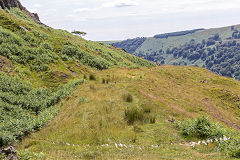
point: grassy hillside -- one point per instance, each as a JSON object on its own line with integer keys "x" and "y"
{"x": 196, "y": 47}
{"x": 40, "y": 66}
{"x": 135, "y": 109}
{"x": 62, "y": 97}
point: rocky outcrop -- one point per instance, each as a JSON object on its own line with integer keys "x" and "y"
{"x": 10, "y": 3}
{"x": 7, "y": 4}
{"x": 9, "y": 153}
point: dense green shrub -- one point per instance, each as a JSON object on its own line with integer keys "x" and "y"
{"x": 201, "y": 127}
{"x": 26, "y": 50}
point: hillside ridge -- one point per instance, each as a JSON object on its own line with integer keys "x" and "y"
{"x": 215, "y": 49}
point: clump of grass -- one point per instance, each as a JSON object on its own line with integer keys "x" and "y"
{"x": 82, "y": 99}
{"x": 128, "y": 98}
{"x": 135, "y": 114}
{"x": 103, "y": 81}
{"x": 92, "y": 77}
{"x": 152, "y": 119}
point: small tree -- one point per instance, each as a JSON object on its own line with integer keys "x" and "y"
{"x": 79, "y": 33}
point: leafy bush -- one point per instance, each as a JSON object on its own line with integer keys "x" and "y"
{"x": 201, "y": 127}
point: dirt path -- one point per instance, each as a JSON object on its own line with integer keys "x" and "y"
{"x": 213, "y": 110}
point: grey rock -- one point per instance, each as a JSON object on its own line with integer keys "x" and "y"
{"x": 10, "y": 3}
{"x": 7, "y": 4}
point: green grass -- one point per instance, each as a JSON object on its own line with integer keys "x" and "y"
{"x": 166, "y": 92}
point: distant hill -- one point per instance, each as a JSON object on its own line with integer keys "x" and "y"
{"x": 216, "y": 49}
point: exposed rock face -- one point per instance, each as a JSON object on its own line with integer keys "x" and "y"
{"x": 7, "y": 4}
{"x": 10, "y": 153}
{"x": 10, "y": 3}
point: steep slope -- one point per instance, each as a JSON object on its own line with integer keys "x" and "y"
{"x": 215, "y": 49}
{"x": 98, "y": 114}
{"x": 40, "y": 66}
{"x": 123, "y": 108}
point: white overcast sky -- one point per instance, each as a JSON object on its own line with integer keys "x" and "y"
{"x": 122, "y": 19}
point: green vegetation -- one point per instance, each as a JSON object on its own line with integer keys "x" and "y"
{"x": 222, "y": 58}
{"x": 29, "y": 44}
{"x": 124, "y": 111}
{"x": 201, "y": 127}
{"x": 24, "y": 109}
{"x": 134, "y": 114}
{"x": 46, "y": 64}
{"x": 130, "y": 45}
{"x": 162, "y": 94}
{"x": 174, "y": 34}
{"x": 215, "y": 49}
